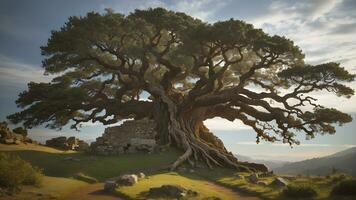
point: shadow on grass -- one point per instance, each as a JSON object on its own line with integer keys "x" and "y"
{"x": 99, "y": 167}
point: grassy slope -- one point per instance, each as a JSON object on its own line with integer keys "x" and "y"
{"x": 56, "y": 163}
{"x": 58, "y": 171}
{"x": 204, "y": 188}
{"x": 322, "y": 185}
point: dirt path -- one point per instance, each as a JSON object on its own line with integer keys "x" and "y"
{"x": 95, "y": 192}
{"x": 231, "y": 193}
{"x": 91, "y": 192}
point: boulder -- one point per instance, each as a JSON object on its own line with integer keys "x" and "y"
{"x": 7, "y": 136}
{"x": 255, "y": 166}
{"x": 141, "y": 175}
{"x": 279, "y": 182}
{"x": 127, "y": 179}
{"x": 261, "y": 183}
{"x": 110, "y": 186}
{"x": 58, "y": 142}
{"x": 8, "y": 141}
{"x": 171, "y": 191}
{"x": 253, "y": 178}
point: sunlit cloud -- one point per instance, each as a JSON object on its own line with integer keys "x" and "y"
{"x": 17, "y": 73}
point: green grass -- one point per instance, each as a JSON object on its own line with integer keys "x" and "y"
{"x": 204, "y": 188}
{"x": 67, "y": 164}
{"x": 225, "y": 177}
{"x": 56, "y": 186}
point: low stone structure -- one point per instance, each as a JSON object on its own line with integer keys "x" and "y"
{"x": 72, "y": 143}
{"x": 130, "y": 137}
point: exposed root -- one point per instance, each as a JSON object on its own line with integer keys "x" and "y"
{"x": 182, "y": 159}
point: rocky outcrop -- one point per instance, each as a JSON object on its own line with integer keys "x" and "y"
{"x": 127, "y": 180}
{"x": 130, "y": 137}
{"x": 72, "y": 143}
{"x": 171, "y": 191}
{"x": 110, "y": 186}
{"x": 279, "y": 182}
{"x": 7, "y": 136}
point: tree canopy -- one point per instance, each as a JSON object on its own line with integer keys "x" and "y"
{"x": 180, "y": 71}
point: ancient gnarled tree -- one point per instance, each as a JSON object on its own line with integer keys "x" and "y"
{"x": 180, "y": 71}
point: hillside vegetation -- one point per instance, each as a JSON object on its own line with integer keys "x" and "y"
{"x": 343, "y": 161}
{"x": 62, "y": 167}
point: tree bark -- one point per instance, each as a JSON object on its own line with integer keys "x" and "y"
{"x": 186, "y": 130}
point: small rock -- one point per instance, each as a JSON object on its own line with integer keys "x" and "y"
{"x": 237, "y": 176}
{"x": 279, "y": 182}
{"x": 141, "y": 175}
{"x": 127, "y": 179}
{"x": 261, "y": 183}
{"x": 191, "y": 170}
{"x": 110, "y": 186}
{"x": 253, "y": 178}
{"x": 17, "y": 142}
{"x": 9, "y": 141}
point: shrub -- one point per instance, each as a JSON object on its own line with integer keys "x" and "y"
{"x": 15, "y": 172}
{"x": 345, "y": 188}
{"x": 85, "y": 178}
{"x": 299, "y": 191}
{"x": 21, "y": 131}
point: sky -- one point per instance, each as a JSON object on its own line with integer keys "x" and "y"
{"x": 324, "y": 29}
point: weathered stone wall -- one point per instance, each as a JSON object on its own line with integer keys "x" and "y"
{"x": 130, "y": 137}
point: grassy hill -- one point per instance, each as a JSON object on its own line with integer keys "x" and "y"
{"x": 344, "y": 161}
{"x": 60, "y": 168}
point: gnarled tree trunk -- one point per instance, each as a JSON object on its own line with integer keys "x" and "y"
{"x": 186, "y": 130}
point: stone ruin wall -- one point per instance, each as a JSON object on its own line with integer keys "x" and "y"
{"x": 130, "y": 137}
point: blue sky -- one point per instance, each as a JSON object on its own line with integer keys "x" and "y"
{"x": 324, "y": 29}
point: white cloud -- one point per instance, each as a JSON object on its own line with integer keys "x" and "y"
{"x": 14, "y": 72}
{"x": 201, "y": 9}
{"x": 218, "y": 124}
{"x": 301, "y": 145}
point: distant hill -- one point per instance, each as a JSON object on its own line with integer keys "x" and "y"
{"x": 271, "y": 164}
{"x": 344, "y": 161}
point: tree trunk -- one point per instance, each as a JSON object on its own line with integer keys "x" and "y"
{"x": 186, "y": 131}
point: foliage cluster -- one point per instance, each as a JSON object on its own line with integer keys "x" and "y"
{"x": 15, "y": 172}
{"x": 345, "y": 188}
{"x": 20, "y": 130}
{"x": 299, "y": 191}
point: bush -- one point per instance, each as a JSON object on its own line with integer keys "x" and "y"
{"x": 345, "y": 188}
{"x": 299, "y": 191}
{"x": 21, "y": 131}
{"x": 85, "y": 178}
{"x": 15, "y": 172}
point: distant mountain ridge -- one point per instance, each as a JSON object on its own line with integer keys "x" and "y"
{"x": 271, "y": 164}
{"x": 344, "y": 161}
